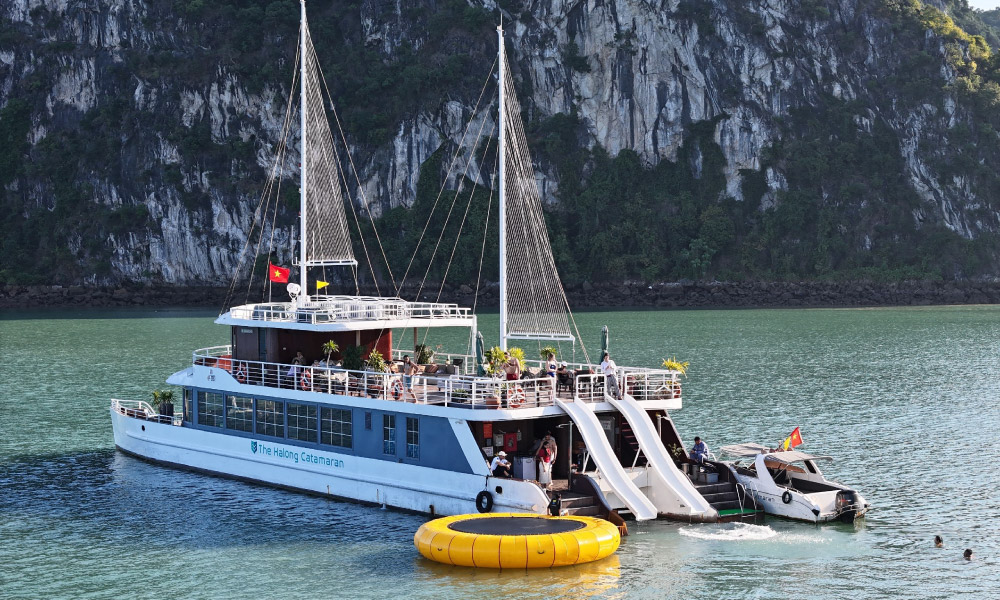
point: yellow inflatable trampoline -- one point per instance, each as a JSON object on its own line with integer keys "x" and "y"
{"x": 516, "y": 541}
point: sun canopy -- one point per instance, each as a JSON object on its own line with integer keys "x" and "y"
{"x": 795, "y": 456}
{"x": 790, "y": 456}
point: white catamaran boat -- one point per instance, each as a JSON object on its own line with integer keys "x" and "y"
{"x": 421, "y": 441}
{"x": 789, "y": 484}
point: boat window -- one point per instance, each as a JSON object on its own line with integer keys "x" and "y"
{"x": 389, "y": 434}
{"x": 210, "y": 410}
{"x": 270, "y": 418}
{"x": 335, "y": 427}
{"x": 188, "y": 396}
{"x": 809, "y": 465}
{"x": 368, "y": 421}
{"x": 302, "y": 422}
{"x": 412, "y": 437}
{"x": 239, "y": 413}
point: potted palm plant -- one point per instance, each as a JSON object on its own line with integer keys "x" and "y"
{"x": 329, "y": 348}
{"x": 422, "y": 354}
{"x": 377, "y": 363}
{"x": 681, "y": 368}
{"x": 163, "y": 402}
{"x": 544, "y": 352}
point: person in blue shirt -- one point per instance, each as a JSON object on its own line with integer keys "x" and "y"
{"x": 699, "y": 451}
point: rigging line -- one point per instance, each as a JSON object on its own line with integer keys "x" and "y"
{"x": 342, "y": 179}
{"x": 357, "y": 178}
{"x": 486, "y": 232}
{"x": 361, "y": 237}
{"x": 275, "y": 176}
{"x": 458, "y": 150}
{"x": 461, "y": 225}
{"x": 279, "y": 163}
{"x": 458, "y": 190}
{"x": 258, "y": 217}
{"x": 274, "y": 214}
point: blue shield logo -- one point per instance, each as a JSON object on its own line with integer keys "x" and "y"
{"x": 253, "y": 447}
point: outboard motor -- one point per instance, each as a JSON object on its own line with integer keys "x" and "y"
{"x": 847, "y": 505}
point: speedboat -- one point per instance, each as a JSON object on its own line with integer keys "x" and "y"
{"x": 788, "y": 483}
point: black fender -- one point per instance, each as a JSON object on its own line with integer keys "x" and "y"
{"x": 786, "y": 497}
{"x": 484, "y": 501}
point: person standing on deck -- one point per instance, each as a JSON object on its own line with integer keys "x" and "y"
{"x": 544, "y": 467}
{"x": 512, "y": 367}
{"x": 550, "y": 371}
{"x": 409, "y": 370}
{"x": 610, "y": 370}
{"x": 550, "y": 442}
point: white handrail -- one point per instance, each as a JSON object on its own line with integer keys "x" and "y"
{"x": 332, "y": 309}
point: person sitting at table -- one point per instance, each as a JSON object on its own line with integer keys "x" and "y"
{"x": 564, "y": 377}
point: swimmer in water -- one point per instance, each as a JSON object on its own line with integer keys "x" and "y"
{"x": 938, "y": 542}
{"x": 967, "y": 555}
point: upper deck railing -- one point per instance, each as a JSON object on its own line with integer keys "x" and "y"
{"x": 342, "y": 309}
{"x": 457, "y": 390}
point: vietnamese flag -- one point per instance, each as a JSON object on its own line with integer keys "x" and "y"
{"x": 794, "y": 439}
{"x": 277, "y": 274}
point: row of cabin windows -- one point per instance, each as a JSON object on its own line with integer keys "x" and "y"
{"x": 304, "y": 422}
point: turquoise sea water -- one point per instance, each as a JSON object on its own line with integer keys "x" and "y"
{"x": 906, "y": 400}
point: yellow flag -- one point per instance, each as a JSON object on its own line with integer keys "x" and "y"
{"x": 321, "y": 284}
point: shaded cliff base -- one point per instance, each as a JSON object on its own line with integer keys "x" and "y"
{"x": 661, "y": 295}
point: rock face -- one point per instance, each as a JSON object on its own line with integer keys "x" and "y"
{"x": 181, "y": 190}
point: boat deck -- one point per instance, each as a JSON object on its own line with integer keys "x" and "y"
{"x": 446, "y": 385}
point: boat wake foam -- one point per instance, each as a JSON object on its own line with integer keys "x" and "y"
{"x": 744, "y": 532}
{"x": 737, "y": 532}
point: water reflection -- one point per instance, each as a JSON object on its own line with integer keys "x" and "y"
{"x": 581, "y": 581}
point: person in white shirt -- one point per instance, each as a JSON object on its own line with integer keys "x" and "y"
{"x": 500, "y": 467}
{"x": 610, "y": 370}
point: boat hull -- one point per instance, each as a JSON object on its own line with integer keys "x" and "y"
{"x": 811, "y": 508}
{"x": 341, "y": 476}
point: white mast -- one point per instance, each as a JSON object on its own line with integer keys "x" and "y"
{"x": 503, "y": 204}
{"x": 302, "y": 150}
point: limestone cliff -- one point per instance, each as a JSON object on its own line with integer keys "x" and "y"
{"x": 137, "y": 133}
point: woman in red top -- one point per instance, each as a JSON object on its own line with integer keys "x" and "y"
{"x": 544, "y": 467}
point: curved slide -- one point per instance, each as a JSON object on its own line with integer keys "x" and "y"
{"x": 607, "y": 463}
{"x": 671, "y": 490}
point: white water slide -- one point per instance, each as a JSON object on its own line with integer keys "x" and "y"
{"x": 669, "y": 489}
{"x": 607, "y": 463}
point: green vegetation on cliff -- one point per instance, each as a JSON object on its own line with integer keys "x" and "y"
{"x": 831, "y": 199}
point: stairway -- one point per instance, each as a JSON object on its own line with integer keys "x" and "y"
{"x": 579, "y": 505}
{"x": 630, "y": 446}
{"x": 723, "y": 498}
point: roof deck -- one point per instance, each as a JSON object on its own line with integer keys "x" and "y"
{"x": 448, "y": 385}
{"x": 349, "y": 313}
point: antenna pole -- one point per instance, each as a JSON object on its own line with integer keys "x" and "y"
{"x": 502, "y": 60}
{"x": 302, "y": 150}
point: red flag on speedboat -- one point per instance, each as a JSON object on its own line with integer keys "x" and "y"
{"x": 793, "y": 440}
{"x": 277, "y": 274}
